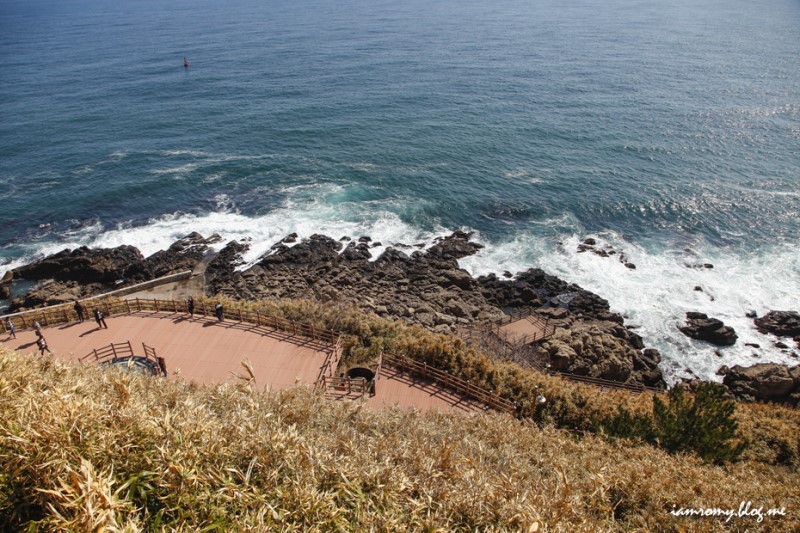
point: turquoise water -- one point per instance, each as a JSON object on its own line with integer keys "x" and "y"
{"x": 669, "y": 130}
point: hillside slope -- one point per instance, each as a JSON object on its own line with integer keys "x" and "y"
{"x": 83, "y": 448}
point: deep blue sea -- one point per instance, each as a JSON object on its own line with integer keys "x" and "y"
{"x": 668, "y": 129}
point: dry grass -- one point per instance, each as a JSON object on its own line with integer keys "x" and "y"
{"x": 89, "y": 449}
{"x": 773, "y": 431}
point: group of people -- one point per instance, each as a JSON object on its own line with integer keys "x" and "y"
{"x": 218, "y": 309}
{"x": 99, "y": 317}
{"x": 37, "y": 328}
{"x": 41, "y": 343}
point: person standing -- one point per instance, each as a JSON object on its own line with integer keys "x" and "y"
{"x": 79, "y": 310}
{"x": 219, "y": 312}
{"x": 190, "y": 306}
{"x": 11, "y": 329}
{"x": 100, "y": 319}
{"x": 42, "y": 344}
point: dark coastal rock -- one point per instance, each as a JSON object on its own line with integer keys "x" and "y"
{"x": 780, "y": 323}
{"x": 601, "y": 350}
{"x": 221, "y": 271}
{"x": 764, "y": 381}
{"x": 103, "y": 265}
{"x": 356, "y": 252}
{"x": 699, "y": 326}
{"x": 315, "y": 249}
{"x": 455, "y": 246}
{"x": 427, "y": 288}
{"x": 184, "y": 254}
{"x": 83, "y": 272}
{"x": 54, "y": 293}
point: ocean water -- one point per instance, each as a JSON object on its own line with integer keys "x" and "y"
{"x": 667, "y": 130}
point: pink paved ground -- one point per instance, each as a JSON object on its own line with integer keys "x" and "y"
{"x": 203, "y": 350}
{"x": 524, "y": 327}
{"x": 396, "y": 388}
{"x": 199, "y": 349}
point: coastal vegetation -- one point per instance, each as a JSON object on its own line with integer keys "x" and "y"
{"x": 771, "y": 431}
{"x": 86, "y": 449}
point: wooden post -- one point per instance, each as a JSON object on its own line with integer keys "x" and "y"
{"x": 240, "y": 314}
{"x": 128, "y": 306}
{"x": 155, "y": 302}
{"x": 204, "y": 309}
{"x": 162, "y": 364}
{"x": 258, "y": 318}
{"x": 175, "y": 306}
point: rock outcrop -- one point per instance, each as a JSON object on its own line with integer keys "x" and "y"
{"x": 406, "y": 283}
{"x": 699, "y": 326}
{"x": 74, "y": 274}
{"x": 765, "y": 381}
{"x": 780, "y": 323}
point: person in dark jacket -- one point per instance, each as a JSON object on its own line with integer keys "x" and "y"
{"x": 100, "y": 319}
{"x": 78, "y": 310}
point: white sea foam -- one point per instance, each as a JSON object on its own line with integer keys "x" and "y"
{"x": 183, "y": 169}
{"x": 657, "y": 294}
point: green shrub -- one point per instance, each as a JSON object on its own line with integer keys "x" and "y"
{"x": 705, "y": 426}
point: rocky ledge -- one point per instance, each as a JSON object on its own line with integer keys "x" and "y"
{"x": 765, "y": 382}
{"x": 781, "y": 324}
{"x": 406, "y": 283}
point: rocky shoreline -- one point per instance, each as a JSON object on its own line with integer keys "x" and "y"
{"x": 425, "y": 287}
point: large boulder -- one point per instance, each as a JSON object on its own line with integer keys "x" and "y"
{"x": 699, "y": 326}
{"x": 455, "y": 246}
{"x": 764, "y": 381}
{"x": 780, "y": 323}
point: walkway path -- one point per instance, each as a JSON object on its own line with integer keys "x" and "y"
{"x": 203, "y": 350}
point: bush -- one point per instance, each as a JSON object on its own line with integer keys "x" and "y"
{"x": 705, "y": 426}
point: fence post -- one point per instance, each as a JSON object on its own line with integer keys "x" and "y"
{"x": 240, "y": 314}
{"x": 258, "y": 318}
{"x": 204, "y": 308}
{"x": 175, "y": 306}
{"x": 138, "y": 305}
{"x": 155, "y": 302}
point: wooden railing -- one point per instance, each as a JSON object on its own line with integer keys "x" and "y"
{"x": 64, "y": 313}
{"x": 330, "y": 365}
{"x": 545, "y": 328}
{"x": 123, "y": 349}
{"x": 348, "y": 386}
{"x": 112, "y": 351}
{"x": 473, "y": 335}
{"x": 447, "y": 380}
{"x": 514, "y": 316}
